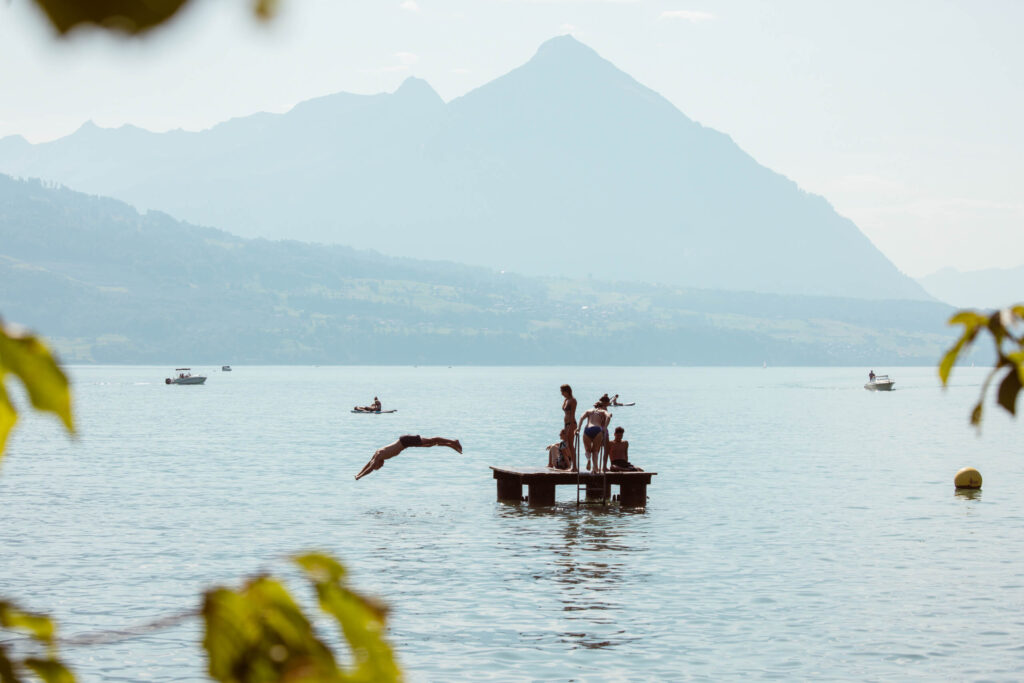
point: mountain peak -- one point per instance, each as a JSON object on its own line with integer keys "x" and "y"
{"x": 417, "y": 88}
{"x": 563, "y": 48}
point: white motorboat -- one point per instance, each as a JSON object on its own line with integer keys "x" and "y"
{"x": 184, "y": 376}
{"x": 880, "y": 383}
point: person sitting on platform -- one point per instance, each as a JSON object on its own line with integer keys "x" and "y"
{"x": 620, "y": 453}
{"x": 407, "y": 441}
{"x": 560, "y": 454}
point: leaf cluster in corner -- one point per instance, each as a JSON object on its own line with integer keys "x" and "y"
{"x": 1004, "y": 326}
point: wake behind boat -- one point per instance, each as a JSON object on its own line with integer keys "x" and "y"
{"x": 880, "y": 383}
{"x": 185, "y": 376}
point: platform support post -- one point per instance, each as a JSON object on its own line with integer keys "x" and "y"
{"x": 541, "y": 493}
{"x": 510, "y": 489}
{"x": 633, "y": 495}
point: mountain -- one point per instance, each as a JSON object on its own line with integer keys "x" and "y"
{"x": 566, "y": 166}
{"x": 988, "y": 288}
{"x": 107, "y": 284}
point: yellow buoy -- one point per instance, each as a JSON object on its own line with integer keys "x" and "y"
{"x": 967, "y": 478}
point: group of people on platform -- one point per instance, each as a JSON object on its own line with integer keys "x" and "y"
{"x": 597, "y": 446}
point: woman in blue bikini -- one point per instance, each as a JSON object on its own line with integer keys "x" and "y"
{"x": 597, "y": 419}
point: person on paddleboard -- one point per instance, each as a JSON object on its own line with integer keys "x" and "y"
{"x": 374, "y": 407}
{"x": 407, "y": 441}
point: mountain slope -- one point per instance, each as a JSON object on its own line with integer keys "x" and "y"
{"x": 565, "y": 166}
{"x": 107, "y": 284}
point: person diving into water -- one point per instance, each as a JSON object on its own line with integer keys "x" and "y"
{"x": 407, "y": 441}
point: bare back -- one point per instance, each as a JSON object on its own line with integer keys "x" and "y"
{"x": 597, "y": 417}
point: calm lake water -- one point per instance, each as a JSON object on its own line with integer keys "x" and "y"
{"x": 800, "y": 527}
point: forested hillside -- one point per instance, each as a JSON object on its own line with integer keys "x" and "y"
{"x": 108, "y": 284}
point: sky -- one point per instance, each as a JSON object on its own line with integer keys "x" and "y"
{"x": 908, "y": 117}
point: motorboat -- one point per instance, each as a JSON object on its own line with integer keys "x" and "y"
{"x": 880, "y": 383}
{"x": 225, "y": 368}
{"x": 184, "y": 376}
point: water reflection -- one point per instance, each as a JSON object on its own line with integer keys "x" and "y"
{"x": 592, "y": 560}
{"x": 969, "y": 494}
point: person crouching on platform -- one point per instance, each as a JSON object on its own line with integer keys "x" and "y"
{"x": 560, "y": 454}
{"x": 620, "y": 453}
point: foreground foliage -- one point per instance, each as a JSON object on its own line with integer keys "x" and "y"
{"x": 1006, "y": 329}
{"x": 40, "y": 630}
{"x": 125, "y": 16}
{"x": 27, "y": 358}
{"x": 257, "y": 634}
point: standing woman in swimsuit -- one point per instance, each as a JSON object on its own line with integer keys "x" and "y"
{"x": 569, "y": 424}
{"x": 598, "y": 420}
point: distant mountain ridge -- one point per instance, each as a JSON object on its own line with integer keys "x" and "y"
{"x": 106, "y": 284}
{"x": 565, "y": 166}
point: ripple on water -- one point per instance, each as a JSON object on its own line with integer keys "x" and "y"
{"x": 780, "y": 541}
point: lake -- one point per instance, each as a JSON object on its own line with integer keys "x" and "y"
{"x": 799, "y": 526}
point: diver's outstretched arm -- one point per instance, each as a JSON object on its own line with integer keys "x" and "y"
{"x": 375, "y": 464}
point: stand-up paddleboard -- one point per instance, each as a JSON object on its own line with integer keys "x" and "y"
{"x": 374, "y": 412}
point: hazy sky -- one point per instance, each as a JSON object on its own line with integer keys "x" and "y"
{"x": 908, "y": 116}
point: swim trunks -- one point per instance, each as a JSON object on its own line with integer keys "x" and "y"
{"x": 593, "y": 431}
{"x": 410, "y": 440}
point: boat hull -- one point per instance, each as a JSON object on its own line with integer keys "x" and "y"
{"x": 879, "y": 386}
{"x": 188, "y": 380}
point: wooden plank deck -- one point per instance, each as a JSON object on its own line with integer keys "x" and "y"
{"x": 541, "y": 483}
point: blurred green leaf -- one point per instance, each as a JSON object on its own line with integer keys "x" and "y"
{"x": 50, "y": 670}
{"x": 259, "y": 634}
{"x": 1001, "y": 325}
{"x": 949, "y": 360}
{"x": 969, "y": 319}
{"x": 127, "y": 16}
{"x": 266, "y": 9}
{"x": 7, "y": 672}
{"x": 38, "y": 626}
{"x": 26, "y": 357}
{"x": 8, "y": 416}
{"x": 976, "y": 414}
{"x": 320, "y": 567}
{"x": 362, "y": 620}
{"x": 1008, "y": 390}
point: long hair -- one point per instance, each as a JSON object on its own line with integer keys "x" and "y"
{"x": 566, "y": 389}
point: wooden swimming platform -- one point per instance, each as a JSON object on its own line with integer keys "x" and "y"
{"x": 541, "y": 483}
